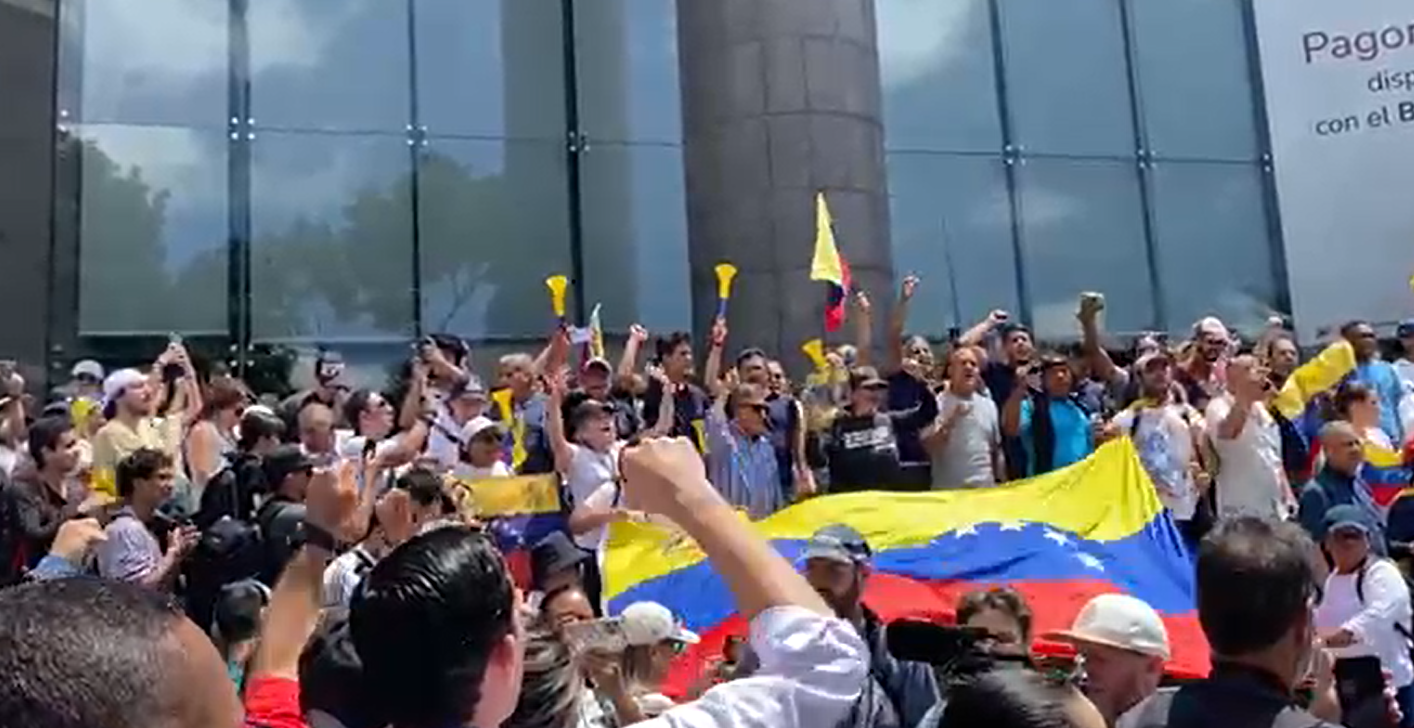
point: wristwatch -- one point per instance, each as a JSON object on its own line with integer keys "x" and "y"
{"x": 320, "y": 538}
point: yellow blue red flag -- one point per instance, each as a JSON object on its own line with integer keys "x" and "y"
{"x": 1060, "y": 538}
{"x": 517, "y": 511}
{"x": 827, "y": 264}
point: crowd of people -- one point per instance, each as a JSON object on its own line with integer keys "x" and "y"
{"x": 176, "y": 549}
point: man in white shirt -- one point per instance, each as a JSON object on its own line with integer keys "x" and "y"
{"x": 1251, "y": 480}
{"x": 1364, "y": 609}
{"x": 1166, "y": 433}
{"x": 965, "y": 441}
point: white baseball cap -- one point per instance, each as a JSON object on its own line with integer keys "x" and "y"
{"x": 1120, "y": 621}
{"x": 648, "y": 623}
{"x": 118, "y": 382}
{"x": 475, "y": 426}
{"x": 88, "y": 368}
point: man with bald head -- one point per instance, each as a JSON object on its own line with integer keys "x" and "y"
{"x": 1339, "y": 484}
{"x": 1251, "y": 480}
{"x": 316, "y": 433}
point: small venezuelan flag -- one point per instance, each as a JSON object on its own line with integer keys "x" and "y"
{"x": 829, "y": 265}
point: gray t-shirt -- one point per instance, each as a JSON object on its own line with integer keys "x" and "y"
{"x": 966, "y": 460}
{"x": 130, "y": 552}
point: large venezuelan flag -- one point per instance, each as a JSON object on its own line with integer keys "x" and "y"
{"x": 517, "y": 511}
{"x": 1061, "y": 538}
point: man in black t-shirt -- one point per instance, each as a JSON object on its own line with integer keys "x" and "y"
{"x": 690, "y": 402}
{"x": 861, "y": 445}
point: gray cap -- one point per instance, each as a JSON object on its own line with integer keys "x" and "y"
{"x": 838, "y": 542}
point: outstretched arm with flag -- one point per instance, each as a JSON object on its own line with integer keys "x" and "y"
{"x": 829, "y": 266}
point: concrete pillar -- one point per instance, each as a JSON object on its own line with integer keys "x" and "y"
{"x": 27, "y": 148}
{"x": 781, "y": 98}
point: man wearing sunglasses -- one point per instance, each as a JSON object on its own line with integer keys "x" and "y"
{"x": 281, "y": 518}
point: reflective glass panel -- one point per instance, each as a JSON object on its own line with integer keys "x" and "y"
{"x": 627, "y": 67}
{"x": 153, "y": 228}
{"x": 331, "y": 237}
{"x": 494, "y": 223}
{"x": 491, "y": 68}
{"x": 939, "y": 75}
{"x": 1082, "y": 229}
{"x": 1195, "y": 86}
{"x": 951, "y": 219}
{"x": 144, "y": 61}
{"x": 1214, "y": 251}
{"x": 329, "y": 64}
{"x": 635, "y": 237}
{"x": 1065, "y": 77}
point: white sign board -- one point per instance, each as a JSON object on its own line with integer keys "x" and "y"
{"x": 1339, "y": 78}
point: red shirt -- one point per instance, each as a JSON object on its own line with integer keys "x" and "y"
{"x": 273, "y": 702}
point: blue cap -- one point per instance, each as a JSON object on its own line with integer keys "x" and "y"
{"x": 1406, "y": 329}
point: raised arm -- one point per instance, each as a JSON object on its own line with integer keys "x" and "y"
{"x": 628, "y": 362}
{"x": 1102, "y": 367}
{"x": 977, "y": 335}
{"x": 898, "y": 320}
{"x": 667, "y": 478}
{"x": 1012, "y": 410}
{"x": 712, "y": 370}
{"x": 410, "y": 411}
{"x": 667, "y": 404}
{"x": 864, "y": 328}
{"x": 334, "y": 507}
{"x": 555, "y": 421}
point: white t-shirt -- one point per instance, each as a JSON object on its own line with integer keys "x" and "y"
{"x": 1251, "y": 480}
{"x": 966, "y": 458}
{"x": 444, "y": 436}
{"x": 1386, "y": 603}
{"x": 1164, "y": 438}
{"x": 470, "y": 473}
{"x": 592, "y": 480}
{"x": 9, "y": 458}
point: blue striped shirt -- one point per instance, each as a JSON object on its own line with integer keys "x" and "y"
{"x": 743, "y": 468}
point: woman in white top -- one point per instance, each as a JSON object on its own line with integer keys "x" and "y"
{"x": 213, "y": 436}
{"x": 587, "y": 457}
{"x": 1359, "y": 405}
{"x": 1364, "y": 610}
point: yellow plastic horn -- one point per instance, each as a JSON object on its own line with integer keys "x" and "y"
{"x": 815, "y": 349}
{"x": 558, "y": 285}
{"x": 502, "y": 398}
{"x": 726, "y": 272}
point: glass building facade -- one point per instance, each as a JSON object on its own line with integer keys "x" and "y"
{"x": 357, "y": 173}
{"x": 1037, "y": 149}
{"x": 265, "y": 174}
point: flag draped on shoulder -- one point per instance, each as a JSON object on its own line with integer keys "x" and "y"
{"x": 1303, "y": 400}
{"x": 1060, "y": 538}
{"x": 829, "y": 265}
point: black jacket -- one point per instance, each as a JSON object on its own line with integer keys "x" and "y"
{"x": 30, "y": 516}
{"x": 1233, "y": 696}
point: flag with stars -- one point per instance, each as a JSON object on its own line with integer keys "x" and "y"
{"x": 1060, "y": 539}
{"x": 517, "y": 511}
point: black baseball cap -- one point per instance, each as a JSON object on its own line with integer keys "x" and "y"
{"x": 283, "y": 461}
{"x": 553, "y": 554}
